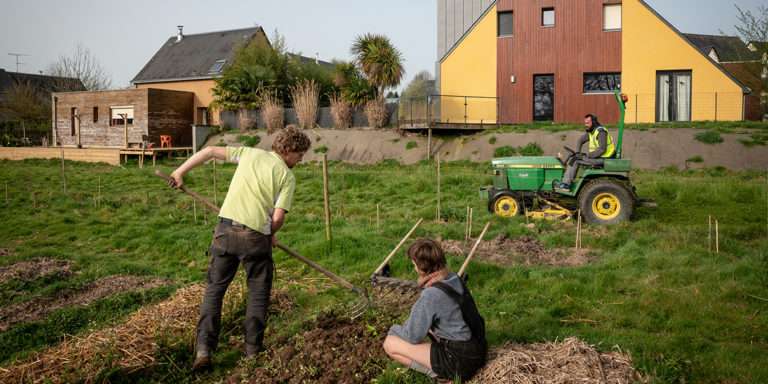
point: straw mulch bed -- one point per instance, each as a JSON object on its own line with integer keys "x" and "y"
{"x": 128, "y": 346}
{"x": 566, "y": 362}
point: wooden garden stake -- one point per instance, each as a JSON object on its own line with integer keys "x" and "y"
{"x": 466, "y": 226}
{"x": 378, "y": 219}
{"x": 709, "y": 234}
{"x": 578, "y": 229}
{"x": 429, "y": 143}
{"x": 194, "y": 210}
{"x": 437, "y": 158}
{"x": 471, "y": 216}
{"x": 326, "y": 202}
{"x": 63, "y": 176}
{"x": 717, "y": 237}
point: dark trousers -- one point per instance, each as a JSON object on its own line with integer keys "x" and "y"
{"x": 231, "y": 245}
{"x": 573, "y": 167}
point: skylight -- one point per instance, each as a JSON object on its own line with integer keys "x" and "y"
{"x": 217, "y": 67}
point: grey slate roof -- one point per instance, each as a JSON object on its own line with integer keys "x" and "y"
{"x": 194, "y": 56}
{"x": 728, "y": 48}
{"x": 43, "y": 83}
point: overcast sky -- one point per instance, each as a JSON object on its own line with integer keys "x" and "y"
{"x": 124, "y": 35}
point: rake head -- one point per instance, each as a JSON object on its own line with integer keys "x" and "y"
{"x": 359, "y": 307}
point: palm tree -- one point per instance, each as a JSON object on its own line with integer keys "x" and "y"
{"x": 379, "y": 60}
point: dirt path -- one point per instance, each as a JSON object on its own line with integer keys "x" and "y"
{"x": 39, "y": 308}
{"x": 35, "y": 269}
{"x": 524, "y": 250}
{"x": 651, "y": 149}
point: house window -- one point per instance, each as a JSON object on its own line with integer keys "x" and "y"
{"x": 547, "y": 17}
{"x": 602, "y": 82}
{"x": 217, "y": 67}
{"x": 612, "y": 17}
{"x": 95, "y": 114}
{"x": 119, "y": 114}
{"x": 505, "y": 23}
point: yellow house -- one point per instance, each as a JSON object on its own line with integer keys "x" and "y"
{"x": 516, "y": 61}
{"x": 192, "y": 62}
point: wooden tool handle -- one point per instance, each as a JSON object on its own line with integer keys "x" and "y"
{"x": 394, "y": 251}
{"x": 290, "y": 252}
{"x": 474, "y": 248}
{"x": 208, "y": 204}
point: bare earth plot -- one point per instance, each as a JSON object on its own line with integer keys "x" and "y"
{"x": 523, "y": 250}
{"x": 35, "y": 269}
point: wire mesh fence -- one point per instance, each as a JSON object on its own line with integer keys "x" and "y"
{"x": 435, "y": 110}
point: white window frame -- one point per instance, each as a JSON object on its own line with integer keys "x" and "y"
{"x": 120, "y": 109}
{"x": 615, "y": 26}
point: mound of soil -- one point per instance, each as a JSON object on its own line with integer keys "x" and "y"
{"x": 40, "y": 307}
{"x": 334, "y": 350}
{"x": 524, "y": 250}
{"x": 566, "y": 362}
{"x": 35, "y": 269}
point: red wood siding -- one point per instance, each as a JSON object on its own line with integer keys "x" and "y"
{"x": 576, "y": 45}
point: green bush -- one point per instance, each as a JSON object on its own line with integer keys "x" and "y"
{"x": 411, "y": 145}
{"x": 695, "y": 159}
{"x": 321, "y": 149}
{"x": 531, "y": 149}
{"x": 505, "y": 151}
{"x": 249, "y": 141}
{"x": 755, "y": 139}
{"x": 492, "y": 140}
{"x": 709, "y": 137}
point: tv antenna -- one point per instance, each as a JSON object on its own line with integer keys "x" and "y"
{"x": 18, "y": 59}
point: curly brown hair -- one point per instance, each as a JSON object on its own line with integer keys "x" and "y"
{"x": 428, "y": 255}
{"x": 291, "y": 139}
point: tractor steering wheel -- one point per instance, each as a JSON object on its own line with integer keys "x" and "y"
{"x": 570, "y": 157}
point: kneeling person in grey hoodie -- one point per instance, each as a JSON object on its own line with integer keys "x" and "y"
{"x": 446, "y": 313}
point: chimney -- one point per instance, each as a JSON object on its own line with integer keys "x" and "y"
{"x": 181, "y": 33}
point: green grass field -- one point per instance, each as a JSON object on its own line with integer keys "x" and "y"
{"x": 654, "y": 290}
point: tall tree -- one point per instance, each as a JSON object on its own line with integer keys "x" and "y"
{"x": 26, "y": 104}
{"x": 379, "y": 60}
{"x": 753, "y": 27}
{"x": 81, "y": 64}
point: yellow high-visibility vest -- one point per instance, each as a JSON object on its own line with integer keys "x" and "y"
{"x": 594, "y": 144}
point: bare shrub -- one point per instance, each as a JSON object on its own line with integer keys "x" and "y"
{"x": 272, "y": 113}
{"x": 376, "y": 112}
{"x": 341, "y": 111}
{"x": 305, "y": 96}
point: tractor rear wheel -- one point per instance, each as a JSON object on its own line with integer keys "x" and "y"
{"x": 507, "y": 205}
{"x": 606, "y": 201}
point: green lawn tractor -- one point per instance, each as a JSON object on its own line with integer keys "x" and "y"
{"x": 526, "y": 186}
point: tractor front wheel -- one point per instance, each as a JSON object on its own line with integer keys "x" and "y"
{"x": 507, "y": 205}
{"x": 606, "y": 202}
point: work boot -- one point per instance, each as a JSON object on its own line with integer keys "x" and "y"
{"x": 202, "y": 363}
{"x": 563, "y": 187}
{"x": 202, "y": 360}
{"x": 252, "y": 350}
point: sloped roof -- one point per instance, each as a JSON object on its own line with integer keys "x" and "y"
{"x": 748, "y": 73}
{"x": 194, "y": 56}
{"x": 304, "y": 59}
{"x": 728, "y": 48}
{"x": 42, "y": 83}
{"x": 760, "y": 45}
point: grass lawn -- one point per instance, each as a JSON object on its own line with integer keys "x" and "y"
{"x": 684, "y": 314}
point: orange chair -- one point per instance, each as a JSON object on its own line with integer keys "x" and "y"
{"x": 165, "y": 141}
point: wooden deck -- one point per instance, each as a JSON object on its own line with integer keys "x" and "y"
{"x": 153, "y": 152}
{"x": 111, "y": 156}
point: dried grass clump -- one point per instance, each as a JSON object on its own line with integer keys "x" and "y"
{"x": 272, "y": 113}
{"x": 126, "y": 347}
{"x": 305, "y": 96}
{"x": 569, "y": 361}
{"x": 376, "y": 112}
{"x": 341, "y": 111}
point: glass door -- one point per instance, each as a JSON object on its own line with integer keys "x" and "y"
{"x": 543, "y": 97}
{"x": 673, "y": 96}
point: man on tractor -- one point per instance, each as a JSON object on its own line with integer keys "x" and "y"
{"x": 601, "y": 147}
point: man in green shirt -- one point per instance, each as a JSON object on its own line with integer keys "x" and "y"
{"x": 254, "y": 209}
